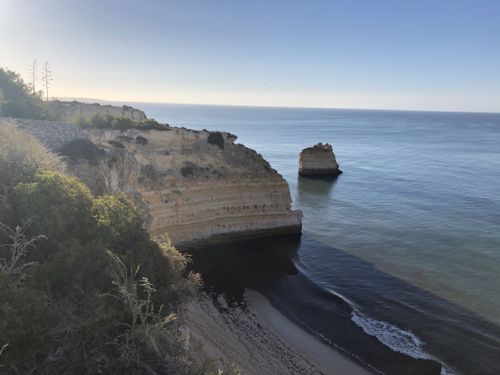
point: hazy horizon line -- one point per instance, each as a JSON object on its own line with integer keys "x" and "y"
{"x": 124, "y": 102}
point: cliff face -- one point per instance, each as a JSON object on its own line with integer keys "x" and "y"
{"x": 197, "y": 187}
{"x": 70, "y": 111}
{"x": 318, "y": 160}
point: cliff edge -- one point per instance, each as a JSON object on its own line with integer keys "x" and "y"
{"x": 199, "y": 187}
{"x": 71, "y": 111}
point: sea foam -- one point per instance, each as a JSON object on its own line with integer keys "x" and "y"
{"x": 398, "y": 339}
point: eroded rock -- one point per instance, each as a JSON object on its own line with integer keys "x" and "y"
{"x": 318, "y": 161}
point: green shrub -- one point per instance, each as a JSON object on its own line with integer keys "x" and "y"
{"x": 122, "y": 123}
{"x": 81, "y": 149}
{"x": 99, "y": 121}
{"x": 150, "y": 124}
{"x": 73, "y": 306}
{"x": 21, "y": 157}
{"x": 216, "y": 138}
{"x": 60, "y": 204}
{"x": 95, "y": 294}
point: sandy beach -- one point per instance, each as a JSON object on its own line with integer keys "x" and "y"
{"x": 326, "y": 359}
{"x": 260, "y": 340}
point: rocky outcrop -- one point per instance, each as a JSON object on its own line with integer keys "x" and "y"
{"x": 199, "y": 187}
{"x": 318, "y": 160}
{"x": 70, "y": 111}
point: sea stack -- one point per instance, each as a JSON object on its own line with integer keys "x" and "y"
{"x": 318, "y": 161}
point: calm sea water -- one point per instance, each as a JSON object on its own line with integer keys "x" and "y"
{"x": 400, "y": 257}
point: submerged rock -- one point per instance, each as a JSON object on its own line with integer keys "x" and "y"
{"x": 318, "y": 160}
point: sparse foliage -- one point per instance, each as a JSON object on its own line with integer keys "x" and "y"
{"x": 12, "y": 267}
{"x": 119, "y": 123}
{"x": 156, "y": 340}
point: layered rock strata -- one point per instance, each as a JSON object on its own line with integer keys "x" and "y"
{"x": 318, "y": 160}
{"x": 197, "y": 187}
{"x": 71, "y": 111}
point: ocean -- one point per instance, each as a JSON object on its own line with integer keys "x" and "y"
{"x": 399, "y": 262}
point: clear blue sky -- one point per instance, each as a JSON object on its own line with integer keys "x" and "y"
{"x": 403, "y": 54}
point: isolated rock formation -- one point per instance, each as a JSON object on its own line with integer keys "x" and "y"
{"x": 318, "y": 160}
{"x": 199, "y": 187}
{"x": 71, "y": 111}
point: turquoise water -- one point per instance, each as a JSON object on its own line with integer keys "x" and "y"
{"x": 419, "y": 201}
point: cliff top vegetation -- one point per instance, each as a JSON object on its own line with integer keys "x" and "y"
{"x": 18, "y": 100}
{"x": 100, "y": 121}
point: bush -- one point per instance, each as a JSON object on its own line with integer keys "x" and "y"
{"x": 21, "y": 157}
{"x": 149, "y": 171}
{"x": 97, "y": 295}
{"x": 150, "y": 124}
{"x": 81, "y": 149}
{"x": 216, "y": 138}
{"x": 94, "y": 294}
{"x": 122, "y": 123}
{"x": 187, "y": 171}
{"x": 60, "y": 204}
{"x": 119, "y": 123}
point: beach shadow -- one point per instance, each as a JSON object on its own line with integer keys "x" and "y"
{"x": 270, "y": 266}
{"x": 257, "y": 264}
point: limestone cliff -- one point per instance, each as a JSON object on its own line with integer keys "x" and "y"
{"x": 198, "y": 187}
{"x": 318, "y": 160}
{"x": 70, "y": 111}
{"x": 195, "y": 186}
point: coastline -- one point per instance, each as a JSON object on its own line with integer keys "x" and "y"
{"x": 259, "y": 340}
{"x": 325, "y": 358}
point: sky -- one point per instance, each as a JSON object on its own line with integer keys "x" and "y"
{"x": 382, "y": 54}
